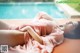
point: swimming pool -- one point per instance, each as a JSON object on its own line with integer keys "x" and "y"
{"x": 28, "y": 10}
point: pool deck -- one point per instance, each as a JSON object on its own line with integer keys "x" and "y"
{"x": 69, "y": 11}
{"x": 17, "y": 22}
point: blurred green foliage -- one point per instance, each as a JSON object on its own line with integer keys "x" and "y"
{"x": 75, "y": 4}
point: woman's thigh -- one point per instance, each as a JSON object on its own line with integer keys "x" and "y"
{"x": 3, "y": 25}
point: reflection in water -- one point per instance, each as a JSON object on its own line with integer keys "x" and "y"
{"x": 24, "y": 11}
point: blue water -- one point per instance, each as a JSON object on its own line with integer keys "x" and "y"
{"x": 28, "y": 10}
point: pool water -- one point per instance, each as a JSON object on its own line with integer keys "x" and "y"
{"x": 28, "y": 10}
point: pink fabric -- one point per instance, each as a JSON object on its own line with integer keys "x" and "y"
{"x": 46, "y": 29}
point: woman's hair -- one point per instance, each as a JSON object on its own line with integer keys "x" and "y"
{"x": 74, "y": 33}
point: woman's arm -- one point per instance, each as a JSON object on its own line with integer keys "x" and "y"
{"x": 33, "y": 34}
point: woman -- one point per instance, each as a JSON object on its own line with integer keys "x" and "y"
{"x": 71, "y": 42}
{"x": 45, "y": 29}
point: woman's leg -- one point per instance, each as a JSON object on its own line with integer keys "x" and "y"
{"x": 4, "y": 25}
{"x": 10, "y": 37}
{"x": 43, "y": 15}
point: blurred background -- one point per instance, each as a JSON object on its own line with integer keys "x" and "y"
{"x": 26, "y": 0}
{"x": 73, "y": 3}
